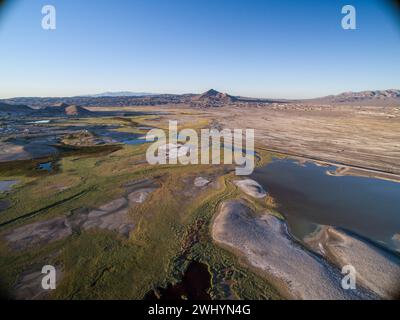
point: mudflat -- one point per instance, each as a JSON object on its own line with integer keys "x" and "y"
{"x": 266, "y": 245}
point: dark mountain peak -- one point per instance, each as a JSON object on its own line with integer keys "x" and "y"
{"x": 211, "y": 93}
{"x": 215, "y": 96}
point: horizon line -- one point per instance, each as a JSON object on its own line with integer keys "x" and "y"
{"x": 148, "y": 93}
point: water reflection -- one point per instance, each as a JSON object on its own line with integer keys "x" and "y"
{"x": 307, "y": 196}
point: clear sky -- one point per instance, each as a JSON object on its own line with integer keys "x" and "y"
{"x": 278, "y": 48}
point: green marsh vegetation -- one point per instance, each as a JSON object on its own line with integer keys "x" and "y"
{"x": 172, "y": 227}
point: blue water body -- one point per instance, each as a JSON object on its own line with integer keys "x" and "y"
{"x": 308, "y": 197}
{"x": 39, "y": 122}
{"x": 122, "y": 137}
{"x": 134, "y": 141}
{"x": 46, "y": 166}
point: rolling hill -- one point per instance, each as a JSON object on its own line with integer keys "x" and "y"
{"x": 14, "y": 110}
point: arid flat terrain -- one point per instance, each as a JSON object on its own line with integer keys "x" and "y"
{"x": 357, "y": 137}
{"x": 361, "y": 137}
{"x": 78, "y": 193}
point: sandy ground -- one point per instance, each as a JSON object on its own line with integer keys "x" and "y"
{"x": 195, "y": 185}
{"x": 266, "y": 245}
{"x": 29, "y": 284}
{"x": 201, "y": 182}
{"x": 376, "y": 269}
{"x": 38, "y": 233}
{"x": 111, "y": 216}
{"x": 363, "y": 138}
{"x": 6, "y": 185}
{"x": 340, "y": 135}
{"x": 251, "y": 187}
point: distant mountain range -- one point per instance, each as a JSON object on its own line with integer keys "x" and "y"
{"x": 210, "y": 98}
{"x": 120, "y": 94}
{"x": 366, "y": 98}
{"x": 389, "y": 97}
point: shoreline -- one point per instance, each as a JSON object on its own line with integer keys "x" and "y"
{"x": 345, "y": 169}
{"x": 296, "y": 272}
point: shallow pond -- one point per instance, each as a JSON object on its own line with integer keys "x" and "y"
{"x": 122, "y": 137}
{"x": 46, "y": 166}
{"x": 194, "y": 285}
{"x": 39, "y": 122}
{"x": 307, "y": 196}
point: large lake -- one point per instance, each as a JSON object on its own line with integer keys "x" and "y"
{"x": 307, "y": 196}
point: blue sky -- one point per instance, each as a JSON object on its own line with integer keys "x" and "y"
{"x": 277, "y": 48}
